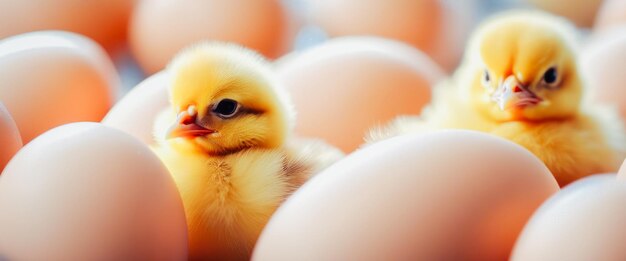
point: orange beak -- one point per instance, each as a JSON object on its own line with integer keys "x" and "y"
{"x": 186, "y": 126}
{"x": 512, "y": 94}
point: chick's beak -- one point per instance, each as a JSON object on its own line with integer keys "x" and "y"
{"x": 511, "y": 93}
{"x": 186, "y": 126}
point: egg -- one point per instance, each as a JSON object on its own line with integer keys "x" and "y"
{"x": 424, "y": 24}
{"x": 581, "y": 12}
{"x": 9, "y": 137}
{"x": 51, "y": 78}
{"x": 84, "y": 191}
{"x": 602, "y": 63}
{"x": 347, "y": 85}
{"x": 612, "y": 13}
{"x": 447, "y": 195}
{"x": 136, "y": 111}
{"x": 585, "y": 221}
{"x": 459, "y": 20}
{"x": 105, "y": 21}
{"x": 622, "y": 171}
{"x": 160, "y": 28}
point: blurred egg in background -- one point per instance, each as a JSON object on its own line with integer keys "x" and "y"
{"x": 603, "y": 62}
{"x": 50, "y": 78}
{"x": 104, "y": 21}
{"x": 84, "y": 191}
{"x": 10, "y": 139}
{"x": 347, "y": 85}
{"x": 581, "y": 12}
{"x": 448, "y": 195}
{"x": 415, "y": 22}
{"x": 612, "y": 13}
{"x": 621, "y": 174}
{"x": 429, "y": 25}
{"x": 160, "y": 28}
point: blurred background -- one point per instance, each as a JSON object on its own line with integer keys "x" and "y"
{"x": 125, "y": 27}
{"x": 315, "y": 44}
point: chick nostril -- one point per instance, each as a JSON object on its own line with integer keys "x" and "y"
{"x": 517, "y": 89}
{"x": 185, "y": 119}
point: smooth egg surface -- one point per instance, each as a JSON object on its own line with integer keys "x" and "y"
{"x": 415, "y": 22}
{"x": 448, "y": 195}
{"x": 611, "y": 14}
{"x": 347, "y": 85}
{"x": 136, "y": 112}
{"x": 584, "y": 221}
{"x": 52, "y": 78}
{"x": 161, "y": 28}
{"x": 10, "y": 140}
{"x": 603, "y": 62}
{"x": 581, "y": 12}
{"x": 104, "y": 21}
{"x": 621, "y": 174}
{"x": 84, "y": 191}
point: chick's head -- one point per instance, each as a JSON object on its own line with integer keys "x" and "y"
{"x": 226, "y": 100}
{"x": 525, "y": 68}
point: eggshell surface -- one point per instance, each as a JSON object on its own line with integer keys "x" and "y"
{"x": 414, "y": 22}
{"x": 161, "y": 28}
{"x": 51, "y": 78}
{"x": 347, "y": 85}
{"x": 585, "y": 221}
{"x": 602, "y": 63}
{"x": 448, "y": 195}
{"x": 84, "y": 191}
{"x": 622, "y": 171}
{"x": 10, "y": 140}
{"x": 611, "y": 14}
{"x": 135, "y": 113}
{"x": 582, "y": 12}
{"x": 105, "y": 21}
{"x": 458, "y": 21}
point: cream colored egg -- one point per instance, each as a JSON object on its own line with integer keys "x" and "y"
{"x": 429, "y": 25}
{"x": 10, "y": 140}
{"x": 84, "y": 191}
{"x": 581, "y": 12}
{"x": 105, "y": 21}
{"x": 52, "y": 78}
{"x": 585, "y": 221}
{"x": 621, "y": 174}
{"x": 160, "y": 28}
{"x": 347, "y": 85}
{"x": 448, "y": 195}
{"x": 602, "y": 63}
{"x": 136, "y": 111}
{"x": 611, "y": 14}
{"x": 459, "y": 19}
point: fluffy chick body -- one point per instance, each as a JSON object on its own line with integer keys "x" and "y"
{"x": 229, "y": 199}
{"x": 232, "y": 179}
{"x": 573, "y": 137}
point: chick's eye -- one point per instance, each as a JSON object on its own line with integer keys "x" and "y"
{"x": 550, "y": 76}
{"x": 226, "y": 108}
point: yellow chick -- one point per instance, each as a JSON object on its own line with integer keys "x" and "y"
{"x": 226, "y": 141}
{"x": 519, "y": 80}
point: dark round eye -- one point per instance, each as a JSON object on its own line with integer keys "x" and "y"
{"x": 226, "y": 108}
{"x": 487, "y": 78}
{"x": 550, "y": 76}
